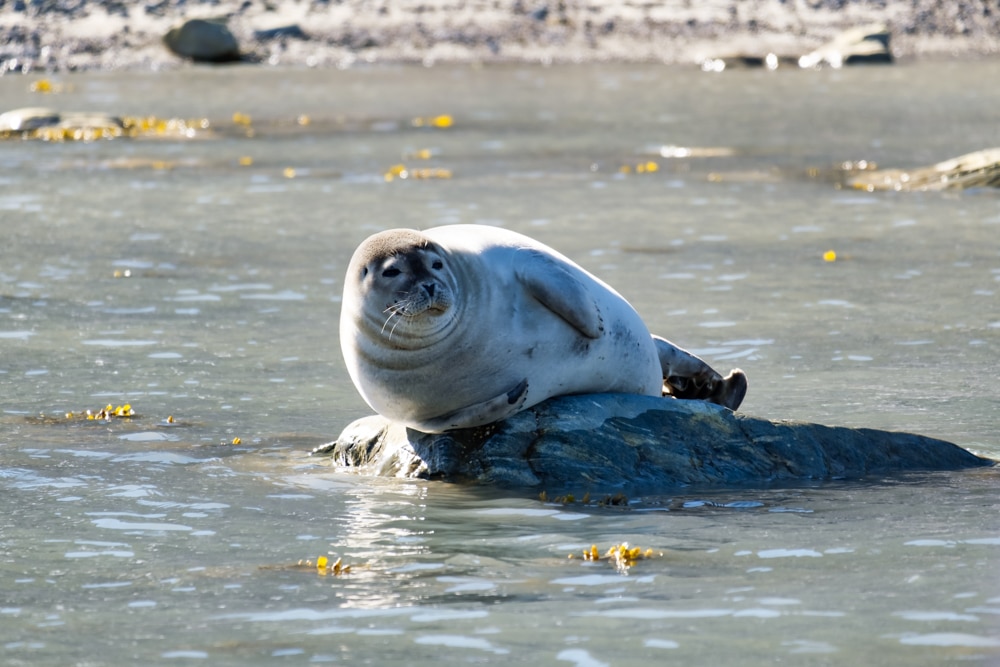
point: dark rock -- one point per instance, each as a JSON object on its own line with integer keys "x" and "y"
{"x": 540, "y": 14}
{"x": 283, "y": 32}
{"x": 201, "y": 40}
{"x": 605, "y": 442}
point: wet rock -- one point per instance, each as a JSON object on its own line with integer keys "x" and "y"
{"x": 28, "y": 118}
{"x": 202, "y": 40}
{"x": 612, "y": 441}
{"x": 282, "y": 32}
{"x": 35, "y": 118}
{"x": 858, "y": 46}
{"x": 972, "y": 170}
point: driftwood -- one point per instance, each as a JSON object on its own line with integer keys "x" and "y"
{"x": 973, "y": 170}
{"x": 864, "y": 45}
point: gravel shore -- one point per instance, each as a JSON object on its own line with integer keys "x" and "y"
{"x": 66, "y": 35}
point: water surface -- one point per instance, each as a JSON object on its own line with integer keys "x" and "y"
{"x": 200, "y": 281}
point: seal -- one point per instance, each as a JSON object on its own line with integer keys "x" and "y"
{"x": 464, "y": 325}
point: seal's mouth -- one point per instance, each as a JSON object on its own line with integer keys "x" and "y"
{"x": 428, "y": 311}
{"x": 410, "y": 310}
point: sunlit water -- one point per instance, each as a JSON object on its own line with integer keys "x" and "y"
{"x": 148, "y": 542}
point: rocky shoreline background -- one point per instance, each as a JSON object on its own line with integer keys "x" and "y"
{"x": 67, "y": 35}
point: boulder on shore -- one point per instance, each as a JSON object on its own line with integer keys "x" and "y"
{"x": 201, "y": 40}
{"x": 604, "y": 442}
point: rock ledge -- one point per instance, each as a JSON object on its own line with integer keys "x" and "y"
{"x": 614, "y": 441}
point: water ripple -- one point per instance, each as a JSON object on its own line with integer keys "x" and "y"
{"x": 951, "y": 639}
{"x": 460, "y": 641}
{"x": 580, "y": 658}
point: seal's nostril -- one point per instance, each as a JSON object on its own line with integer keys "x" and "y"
{"x": 429, "y": 287}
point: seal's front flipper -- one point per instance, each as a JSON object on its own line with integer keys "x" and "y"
{"x": 687, "y": 376}
{"x": 559, "y": 291}
{"x": 487, "y": 412}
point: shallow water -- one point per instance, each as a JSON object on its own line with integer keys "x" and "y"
{"x": 146, "y": 540}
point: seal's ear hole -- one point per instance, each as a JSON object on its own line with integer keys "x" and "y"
{"x": 364, "y": 272}
{"x": 390, "y": 273}
{"x": 438, "y": 264}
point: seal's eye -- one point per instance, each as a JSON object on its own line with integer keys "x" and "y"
{"x": 390, "y": 273}
{"x": 364, "y": 272}
{"x": 438, "y": 264}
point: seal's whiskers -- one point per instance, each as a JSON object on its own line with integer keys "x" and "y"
{"x": 396, "y": 310}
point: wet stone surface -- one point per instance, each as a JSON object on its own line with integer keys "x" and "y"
{"x": 612, "y": 441}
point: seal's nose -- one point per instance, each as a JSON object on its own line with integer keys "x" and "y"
{"x": 429, "y": 288}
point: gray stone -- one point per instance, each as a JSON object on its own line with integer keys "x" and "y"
{"x": 606, "y": 442}
{"x": 28, "y": 118}
{"x": 283, "y": 32}
{"x": 202, "y": 40}
{"x": 35, "y": 122}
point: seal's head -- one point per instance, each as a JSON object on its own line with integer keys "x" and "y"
{"x": 401, "y": 285}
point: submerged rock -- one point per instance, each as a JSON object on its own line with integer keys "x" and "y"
{"x": 611, "y": 441}
{"x": 200, "y": 40}
{"x": 972, "y": 170}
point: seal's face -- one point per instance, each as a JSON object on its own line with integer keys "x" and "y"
{"x": 409, "y": 284}
{"x": 404, "y": 283}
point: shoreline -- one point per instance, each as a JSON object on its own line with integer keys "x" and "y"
{"x": 108, "y": 35}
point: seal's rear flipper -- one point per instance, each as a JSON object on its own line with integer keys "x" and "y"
{"x": 726, "y": 391}
{"x": 688, "y": 376}
{"x": 487, "y": 412}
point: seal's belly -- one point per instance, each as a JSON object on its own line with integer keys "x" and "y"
{"x": 553, "y": 358}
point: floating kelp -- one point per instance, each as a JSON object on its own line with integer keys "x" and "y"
{"x": 443, "y": 121}
{"x": 421, "y": 154}
{"x": 402, "y": 172}
{"x": 647, "y": 167}
{"x": 106, "y": 414}
{"x": 45, "y": 86}
{"x": 621, "y": 556}
{"x": 322, "y": 566}
{"x": 617, "y": 500}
